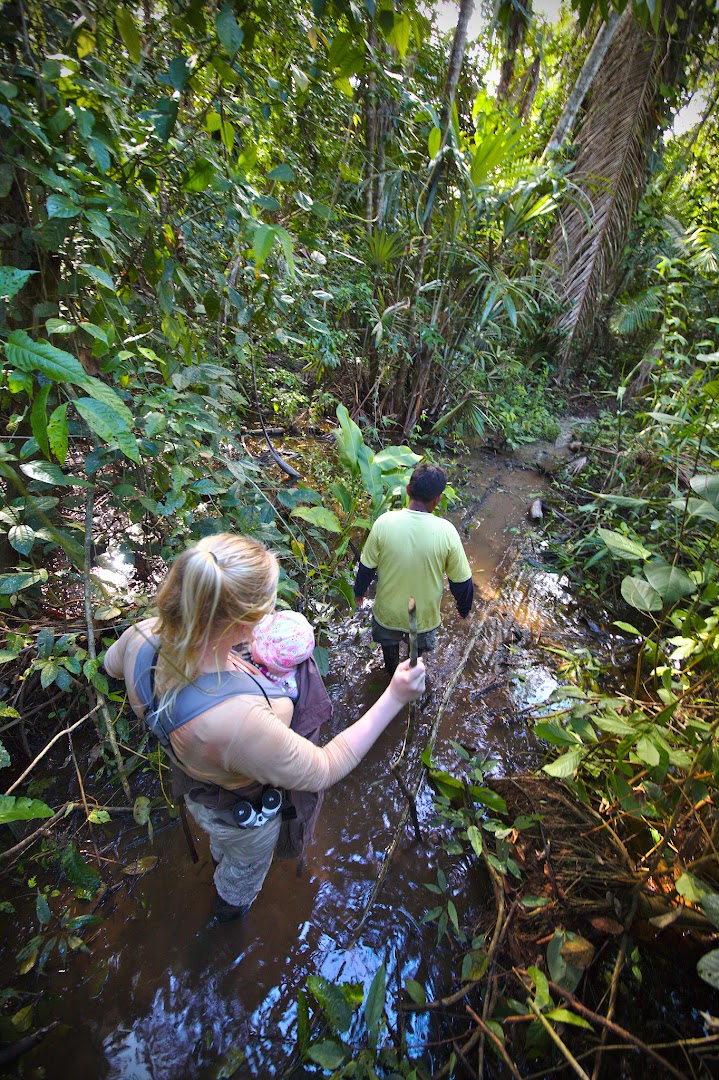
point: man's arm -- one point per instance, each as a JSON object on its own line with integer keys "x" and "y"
{"x": 365, "y": 577}
{"x": 463, "y": 593}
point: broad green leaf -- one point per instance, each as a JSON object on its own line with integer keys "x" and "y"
{"x": 349, "y": 440}
{"x": 77, "y": 872}
{"x": 416, "y": 991}
{"x": 12, "y": 281}
{"x": 670, "y": 582}
{"x": 40, "y": 355}
{"x": 697, "y": 508}
{"x": 15, "y": 583}
{"x": 332, "y": 1002}
{"x": 566, "y": 765}
{"x": 141, "y": 810}
{"x": 531, "y": 902}
{"x": 330, "y": 1055}
{"x": 646, "y": 751}
{"x": 707, "y": 487}
{"x": 541, "y": 996}
{"x": 178, "y": 73}
{"x": 199, "y": 175}
{"x": 98, "y": 275}
{"x": 22, "y": 809}
{"x": 129, "y": 33}
{"x": 489, "y": 798}
{"x": 22, "y": 538}
{"x": 100, "y": 391}
{"x": 49, "y": 473}
{"x": 263, "y": 243}
{"x": 374, "y": 1006}
{"x": 639, "y": 594}
{"x": 621, "y": 546}
{"x": 108, "y": 424}
{"x": 57, "y": 432}
{"x": 434, "y": 141}
{"x": 283, "y": 172}
{"x": 99, "y": 817}
{"x": 229, "y": 32}
{"x": 42, "y": 909}
{"x": 474, "y": 835}
{"x": 564, "y": 1016}
{"x": 318, "y": 515}
{"x": 708, "y": 968}
{"x": 59, "y": 206}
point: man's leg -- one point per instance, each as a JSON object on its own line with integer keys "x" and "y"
{"x": 389, "y": 641}
{"x": 391, "y": 657}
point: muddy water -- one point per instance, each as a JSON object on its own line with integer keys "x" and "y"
{"x": 164, "y": 997}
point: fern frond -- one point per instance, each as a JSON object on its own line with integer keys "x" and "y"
{"x": 638, "y": 312}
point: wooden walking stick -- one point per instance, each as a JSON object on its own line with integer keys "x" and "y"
{"x": 409, "y": 733}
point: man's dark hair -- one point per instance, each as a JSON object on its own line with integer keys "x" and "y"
{"x": 427, "y": 482}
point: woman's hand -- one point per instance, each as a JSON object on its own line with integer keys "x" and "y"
{"x": 408, "y": 682}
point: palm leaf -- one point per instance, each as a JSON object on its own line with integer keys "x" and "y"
{"x": 613, "y": 148}
{"x": 638, "y": 312}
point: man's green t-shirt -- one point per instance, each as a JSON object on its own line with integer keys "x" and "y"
{"x": 412, "y": 551}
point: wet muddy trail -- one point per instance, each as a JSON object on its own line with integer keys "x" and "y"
{"x": 165, "y": 997}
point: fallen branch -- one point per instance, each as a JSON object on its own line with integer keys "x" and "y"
{"x": 486, "y": 1030}
{"x": 44, "y": 751}
{"x": 610, "y": 1024}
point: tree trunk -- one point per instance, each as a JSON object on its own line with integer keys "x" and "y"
{"x": 514, "y": 37}
{"x": 584, "y": 81}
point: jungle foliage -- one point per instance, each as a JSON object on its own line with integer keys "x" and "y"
{"x": 214, "y": 216}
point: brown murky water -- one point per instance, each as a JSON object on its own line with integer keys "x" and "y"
{"x": 164, "y": 997}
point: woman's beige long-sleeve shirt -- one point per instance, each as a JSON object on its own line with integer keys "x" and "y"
{"x": 241, "y": 740}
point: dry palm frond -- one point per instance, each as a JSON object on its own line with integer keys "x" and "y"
{"x": 613, "y": 148}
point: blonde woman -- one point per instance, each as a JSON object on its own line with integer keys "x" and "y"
{"x": 235, "y": 739}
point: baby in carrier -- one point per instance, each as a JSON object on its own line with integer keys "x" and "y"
{"x": 280, "y": 642}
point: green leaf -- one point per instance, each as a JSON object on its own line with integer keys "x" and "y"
{"x": 434, "y": 141}
{"x": 531, "y": 902}
{"x": 332, "y": 1002}
{"x": 489, "y": 798}
{"x": 707, "y": 487}
{"x": 199, "y": 175}
{"x": 374, "y": 1006}
{"x": 639, "y": 594}
{"x": 349, "y": 440}
{"x": 77, "y": 872}
{"x": 109, "y": 425}
{"x": 100, "y": 391}
{"x": 15, "y": 583}
{"x": 416, "y": 991}
{"x": 264, "y": 240}
{"x": 628, "y": 628}
{"x": 229, "y": 32}
{"x": 98, "y": 275}
{"x": 22, "y": 809}
{"x": 621, "y": 546}
{"x": 129, "y": 33}
{"x": 564, "y": 1016}
{"x": 330, "y": 1055}
{"x": 141, "y": 810}
{"x": 40, "y": 355}
{"x": 42, "y": 909}
{"x": 49, "y": 473}
{"x": 57, "y": 432}
{"x": 12, "y": 281}
{"x": 178, "y": 73}
{"x": 282, "y": 172}
{"x": 541, "y": 997}
{"x": 670, "y": 582}
{"x": 318, "y": 515}
{"x": 474, "y": 835}
{"x": 59, "y": 206}
{"x": 22, "y": 538}
{"x": 566, "y": 765}
{"x": 708, "y": 968}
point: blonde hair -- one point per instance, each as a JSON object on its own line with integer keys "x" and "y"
{"x": 221, "y": 582}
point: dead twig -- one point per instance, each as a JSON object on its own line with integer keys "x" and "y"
{"x": 44, "y": 751}
{"x": 486, "y": 1030}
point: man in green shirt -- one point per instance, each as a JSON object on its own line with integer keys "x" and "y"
{"x": 411, "y": 551}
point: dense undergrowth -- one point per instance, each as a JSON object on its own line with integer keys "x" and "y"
{"x": 201, "y": 238}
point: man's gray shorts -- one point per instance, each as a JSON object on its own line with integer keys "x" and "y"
{"x": 426, "y": 641}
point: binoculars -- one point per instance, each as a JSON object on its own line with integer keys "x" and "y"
{"x": 245, "y": 815}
